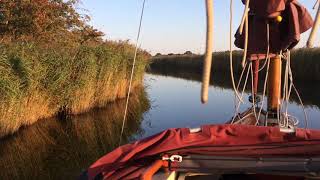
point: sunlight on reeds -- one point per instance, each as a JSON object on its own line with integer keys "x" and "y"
{"x": 62, "y": 149}
{"x": 37, "y": 83}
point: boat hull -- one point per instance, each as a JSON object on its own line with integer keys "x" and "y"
{"x": 239, "y": 141}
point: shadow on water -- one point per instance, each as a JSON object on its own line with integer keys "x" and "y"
{"x": 61, "y": 149}
{"x": 308, "y": 90}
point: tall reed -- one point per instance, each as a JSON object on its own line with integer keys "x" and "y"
{"x": 62, "y": 149}
{"x": 37, "y": 82}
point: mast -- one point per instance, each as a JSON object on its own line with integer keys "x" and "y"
{"x": 274, "y": 86}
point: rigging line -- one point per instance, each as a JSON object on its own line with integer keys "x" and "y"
{"x": 268, "y": 47}
{"x": 264, "y": 89}
{"x": 288, "y": 87}
{"x": 244, "y": 16}
{"x": 238, "y": 85}
{"x": 315, "y": 4}
{"x": 303, "y": 107}
{"x": 252, "y": 92}
{"x": 267, "y": 61}
{"x": 245, "y": 39}
{"x": 297, "y": 92}
{"x": 290, "y": 77}
{"x": 241, "y": 76}
{"x": 242, "y": 93}
{"x": 132, "y": 72}
{"x": 316, "y": 24}
{"x": 231, "y": 59}
{"x": 285, "y": 89}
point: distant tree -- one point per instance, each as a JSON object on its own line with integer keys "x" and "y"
{"x": 158, "y": 54}
{"x": 170, "y": 54}
{"x": 188, "y": 53}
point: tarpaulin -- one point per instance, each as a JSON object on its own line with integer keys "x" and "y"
{"x": 217, "y": 140}
{"x": 282, "y": 35}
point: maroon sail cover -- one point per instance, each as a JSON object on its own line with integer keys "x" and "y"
{"x": 284, "y": 35}
{"x": 130, "y": 161}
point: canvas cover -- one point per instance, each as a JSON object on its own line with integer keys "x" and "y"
{"x": 130, "y": 161}
{"x": 284, "y": 35}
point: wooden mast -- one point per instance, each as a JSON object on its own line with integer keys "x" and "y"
{"x": 274, "y": 82}
{"x": 274, "y": 85}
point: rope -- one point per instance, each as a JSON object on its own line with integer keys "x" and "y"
{"x": 315, "y": 4}
{"x": 231, "y": 59}
{"x": 252, "y": 92}
{"x": 287, "y": 89}
{"x": 245, "y": 50}
{"x": 315, "y": 28}
{"x": 285, "y": 99}
{"x": 208, "y": 55}
{"x": 132, "y": 72}
{"x": 243, "y": 89}
{"x": 290, "y": 76}
{"x": 267, "y": 61}
{"x": 244, "y": 16}
{"x": 304, "y": 110}
{"x": 268, "y": 47}
{"x": 264, "y": 90}
{"x": 240, "y": 80}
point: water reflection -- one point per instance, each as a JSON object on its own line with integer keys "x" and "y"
{"x": 176, "y": 101}
{"x": 55, "y": 149}
{"x": 309, "y": 91}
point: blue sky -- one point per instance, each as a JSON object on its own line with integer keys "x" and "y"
{"x": 169, "y": 26}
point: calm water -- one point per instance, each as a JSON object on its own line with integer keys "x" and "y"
{"x": 176, "y": 103}
{"x": 61, "y": 149}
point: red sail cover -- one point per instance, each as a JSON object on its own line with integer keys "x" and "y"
{"x": 283, "y": 35}
{"x": 129, "y": 161}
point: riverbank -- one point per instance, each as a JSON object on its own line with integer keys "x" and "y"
{"x": 304, "y": 63}
{"x": 305, "y": 66}
{"x": 62, "y": 149}
{"x": 37, "y": 82}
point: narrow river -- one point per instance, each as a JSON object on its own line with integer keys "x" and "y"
{"x": 61, "y": 149}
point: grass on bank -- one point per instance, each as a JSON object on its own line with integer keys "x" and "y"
{"x": 57, "y": 149}
{"x": 38, "y": 82}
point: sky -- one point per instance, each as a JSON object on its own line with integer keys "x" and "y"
{"x": 169, "y": 26}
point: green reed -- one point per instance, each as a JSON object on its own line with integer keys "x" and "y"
{"x": 37, "y": 82}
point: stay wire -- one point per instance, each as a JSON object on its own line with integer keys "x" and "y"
{"x": 132, "y": 71}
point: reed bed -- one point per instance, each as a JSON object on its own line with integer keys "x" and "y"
{"x": 304, "y": 63}
{"x": 37, "y": 82}
{"x": 62, "y": 149}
